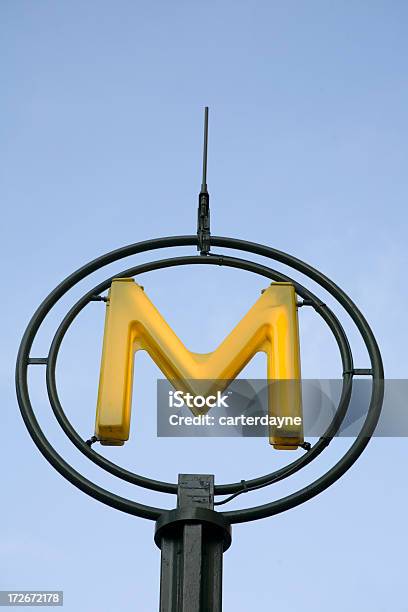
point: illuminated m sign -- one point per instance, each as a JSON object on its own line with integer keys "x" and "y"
{"x": 133, "y": 323}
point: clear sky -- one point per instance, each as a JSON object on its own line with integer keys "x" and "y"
{"x": 101, "y": 135}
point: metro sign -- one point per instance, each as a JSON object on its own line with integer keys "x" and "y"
{"x": 133, "y": 323}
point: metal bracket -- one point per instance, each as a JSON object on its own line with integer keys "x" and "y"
{"x": 37, "y": 361}
{"x": 359, "y": 372}
{"x": 203, "y": 223}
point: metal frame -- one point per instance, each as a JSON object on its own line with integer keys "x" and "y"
{"x": 154, "y": 513}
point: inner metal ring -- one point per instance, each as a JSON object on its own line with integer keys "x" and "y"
{"x": 233, "y": 516}
{"x": 166, "y": 487}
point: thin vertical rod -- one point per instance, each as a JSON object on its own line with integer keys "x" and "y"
{"x": 204, "y": 181}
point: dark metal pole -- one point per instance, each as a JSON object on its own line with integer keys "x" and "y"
{"x": 203, "y": 217}
{"x": 192, "y": 539}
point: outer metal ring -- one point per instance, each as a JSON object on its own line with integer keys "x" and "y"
{"x": 235, "y": 516}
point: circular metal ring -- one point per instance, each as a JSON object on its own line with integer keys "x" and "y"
{"x": 233, "y": 516}
{"x": 222, "y": 489}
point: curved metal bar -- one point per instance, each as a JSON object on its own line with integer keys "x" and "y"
{"x": 222, "y": 489}
{"x": 235, "y": 516}
{"x": 23, "y": 397}
{"x": 374, "y": 410}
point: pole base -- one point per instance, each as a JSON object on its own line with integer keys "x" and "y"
{"x": 192, "y": 539}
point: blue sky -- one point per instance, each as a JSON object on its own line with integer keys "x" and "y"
{"x": 101, "y": 136}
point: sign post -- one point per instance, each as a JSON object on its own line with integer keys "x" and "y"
{"x": 192, "y": 540}
{"x": 193, "y": 536}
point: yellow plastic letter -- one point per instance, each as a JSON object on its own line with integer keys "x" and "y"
{"x": 133, "y": 323}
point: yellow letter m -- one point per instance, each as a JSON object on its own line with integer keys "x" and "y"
{"x": 133, "y": 323}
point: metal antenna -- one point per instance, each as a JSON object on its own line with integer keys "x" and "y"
{"x": 203, "y": 218}
{"x": 204, "y": 181}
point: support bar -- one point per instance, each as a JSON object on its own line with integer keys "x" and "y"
{"x": 192, "y": 540}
